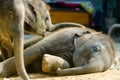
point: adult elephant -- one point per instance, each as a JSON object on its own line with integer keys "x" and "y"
{"x": 13, "y": 15}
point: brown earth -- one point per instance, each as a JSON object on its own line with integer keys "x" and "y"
{"x": 107, "y": 75}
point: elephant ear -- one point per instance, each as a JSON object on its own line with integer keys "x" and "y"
{"x": 80, "y": 34}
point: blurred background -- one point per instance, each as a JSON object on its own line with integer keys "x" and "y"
{"x": 101, "y": 15}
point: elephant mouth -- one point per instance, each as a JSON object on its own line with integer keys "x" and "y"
{"x": 29, "y": 29}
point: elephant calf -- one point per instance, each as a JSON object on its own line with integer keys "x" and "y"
{"x": 85, "y": 50}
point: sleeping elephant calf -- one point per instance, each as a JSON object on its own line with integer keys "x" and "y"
{"x": 85, "y": 50}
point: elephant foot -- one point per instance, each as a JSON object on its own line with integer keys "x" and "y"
{"x": 2, "y": 72}
{"x": 7, "y": 68}
{"x": 51, "y": 63}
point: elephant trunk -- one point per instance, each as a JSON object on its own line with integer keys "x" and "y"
{"x": 65, "y": 24}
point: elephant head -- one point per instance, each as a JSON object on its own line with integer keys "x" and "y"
{"x": 94, "y": 53}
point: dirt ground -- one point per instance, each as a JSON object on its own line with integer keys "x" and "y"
{"x": 107, "y": 75}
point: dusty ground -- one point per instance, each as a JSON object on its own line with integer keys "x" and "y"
{"x": 107, "y": 75}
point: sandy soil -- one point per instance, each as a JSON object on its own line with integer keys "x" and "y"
{"x": 107, "y": 75}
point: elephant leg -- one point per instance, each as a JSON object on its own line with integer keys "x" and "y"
{"x": 18, "y": 36}
{"x": 32, "y": 41}
{"x": 50, "y": 63}
{"x": 7, "y": 67}
{"x": 84, "y": 69}
{"x": 6, "y": 47}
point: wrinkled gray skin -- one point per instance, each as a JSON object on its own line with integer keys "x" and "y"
{"x": 37, "y": 17}
{"x": 13, "y": 15}
{"x": 94, "y": 53}
{"x": 86, "y": 51}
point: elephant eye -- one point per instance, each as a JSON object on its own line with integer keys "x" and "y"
{"x": 96, "y": 49}
{"x": 46, "y": 19}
